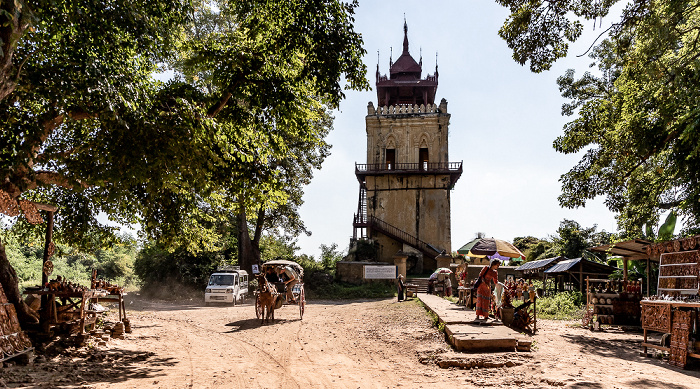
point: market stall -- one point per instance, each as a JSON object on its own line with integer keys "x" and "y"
{"x": 675, "y": 309}
{"x": 612, "y": 302}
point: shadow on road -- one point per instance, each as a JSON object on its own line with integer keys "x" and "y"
{"x": 109, "y": 366}
{"x": 628, "y": 349}
{"x": 247, "y": 324}
{"x": 647, "y": 383}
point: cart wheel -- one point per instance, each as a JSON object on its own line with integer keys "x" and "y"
{"x": 258, "y": 308}
{"x": 302, "y": 303}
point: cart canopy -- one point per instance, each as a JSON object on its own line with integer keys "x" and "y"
{"x": 283, "y": 262}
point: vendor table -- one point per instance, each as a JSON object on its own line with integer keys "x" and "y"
{"x": 413, "y": 288}
{"x": 463, "y": 294}
{"x": 674, "y": 317}
{"x": 114, "y": 298}
{"x": 72, "y": 310}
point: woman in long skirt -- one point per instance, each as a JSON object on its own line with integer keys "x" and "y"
{"x": 401, "y": 287}
{"x": 488, "y": 275}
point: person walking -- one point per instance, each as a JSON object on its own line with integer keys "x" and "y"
{"x": 487, "y": 275}
{"x": 401, "y": 287}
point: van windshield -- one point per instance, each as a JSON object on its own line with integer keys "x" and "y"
{"x": 221, "y": 279}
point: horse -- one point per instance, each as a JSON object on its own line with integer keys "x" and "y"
{"x": 267, "y": 296}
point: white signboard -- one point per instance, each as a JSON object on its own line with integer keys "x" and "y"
{"x": 255, "y": 269}
{"x": 380, "y": 272}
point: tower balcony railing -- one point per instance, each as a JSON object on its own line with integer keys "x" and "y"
{"x": 399, "y": 168}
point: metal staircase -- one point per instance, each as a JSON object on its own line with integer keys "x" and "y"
{"x": 362, "y": 223}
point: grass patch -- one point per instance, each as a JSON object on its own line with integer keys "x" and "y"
{"x": 562, "y": 306}
{"x": 434, "y": 319}
{"x": 340, "y": 291}
{"x": 451, "y": 299}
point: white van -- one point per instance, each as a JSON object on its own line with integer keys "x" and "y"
{"x": 227, "y": 285}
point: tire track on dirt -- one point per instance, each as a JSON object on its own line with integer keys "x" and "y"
{"x": 287, "y": 377}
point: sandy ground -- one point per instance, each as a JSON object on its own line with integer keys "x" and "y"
{"x": 348, "y": 344}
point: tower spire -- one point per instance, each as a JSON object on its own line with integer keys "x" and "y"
{"x": 405, "y": 35}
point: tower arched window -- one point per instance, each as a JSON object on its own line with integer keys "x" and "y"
{"x": 391, "y": 159}
{"x": 423, "y": 158}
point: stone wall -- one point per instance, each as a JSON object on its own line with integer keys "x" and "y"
{"x": 353, "y": 272}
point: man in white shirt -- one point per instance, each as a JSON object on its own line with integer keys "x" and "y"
{"x": 290, "y": 279}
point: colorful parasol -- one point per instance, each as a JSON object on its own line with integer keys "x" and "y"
{"x": 491, "y": 247}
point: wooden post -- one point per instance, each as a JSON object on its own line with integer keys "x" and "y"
{"x": 534, "y": 313}
{"x": 45, "y": 277}
{"x": 624, "y": 269}
{"x": 648, "y": 264}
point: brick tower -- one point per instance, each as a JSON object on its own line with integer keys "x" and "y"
{"x": 404, "y": 202}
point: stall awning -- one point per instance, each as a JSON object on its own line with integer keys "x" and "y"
{"x": 634, "y": 249}
{"x": 588, "y": 267}
{"x": 539, "y": 265}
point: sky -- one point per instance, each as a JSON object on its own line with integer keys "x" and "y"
{"x": 504, "y": 121}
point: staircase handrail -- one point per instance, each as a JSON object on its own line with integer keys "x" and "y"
{"x": 401, "y": 235}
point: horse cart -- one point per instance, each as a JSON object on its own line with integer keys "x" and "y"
{"x": 273, "y": 295}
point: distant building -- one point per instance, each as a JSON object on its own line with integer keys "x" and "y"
{"x": 404, "y": 199}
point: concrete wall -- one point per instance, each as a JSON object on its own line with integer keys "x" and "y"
{"x": 353, "y": 272}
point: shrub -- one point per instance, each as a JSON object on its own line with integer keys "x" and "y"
{"x": 561, "y": 306}
{"x": 340, "y": 290}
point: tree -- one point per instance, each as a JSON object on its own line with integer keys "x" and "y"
{"x": 533, "y": 248}
{"x": 571, "y": 240}
{"x": 89, "y": 129}
{"x": 637, "y": 118}
{"x": 297, "y": 127}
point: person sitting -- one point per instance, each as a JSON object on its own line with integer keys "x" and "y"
{"x": 271, "y": 276}
{"x": 290, "y": 279}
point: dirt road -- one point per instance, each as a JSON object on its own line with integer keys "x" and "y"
{"x": 355, "y": 344}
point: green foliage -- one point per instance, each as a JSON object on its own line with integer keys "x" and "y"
{"x": 571, "y": 240}
{"x": 273, "y": 247}
{"x": 114, "y": 264}
{"x": 365, "y": 250}
{"x": 561, "y": 306}
{"x": 330, "y": 256}
{"x": 534, "y": 248}
{"x": 666, "y": 229}
{"x": 339, "y": 290}
{"x": 637, "y": 120}
{"x": 240, "y": 126}
{"x": 157, "y": 267}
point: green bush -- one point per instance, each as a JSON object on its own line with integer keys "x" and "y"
{"x": 339, "y": 290}
{"x": 562, "y": 306}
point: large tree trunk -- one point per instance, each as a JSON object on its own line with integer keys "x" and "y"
{"x": 10, "y": 285}
{"x": 248, "y": 254}
{"x": 13, "y": 25}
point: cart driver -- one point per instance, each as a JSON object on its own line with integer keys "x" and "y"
{"x": 290, "y": 279}
{"x": 271, "y": 276}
